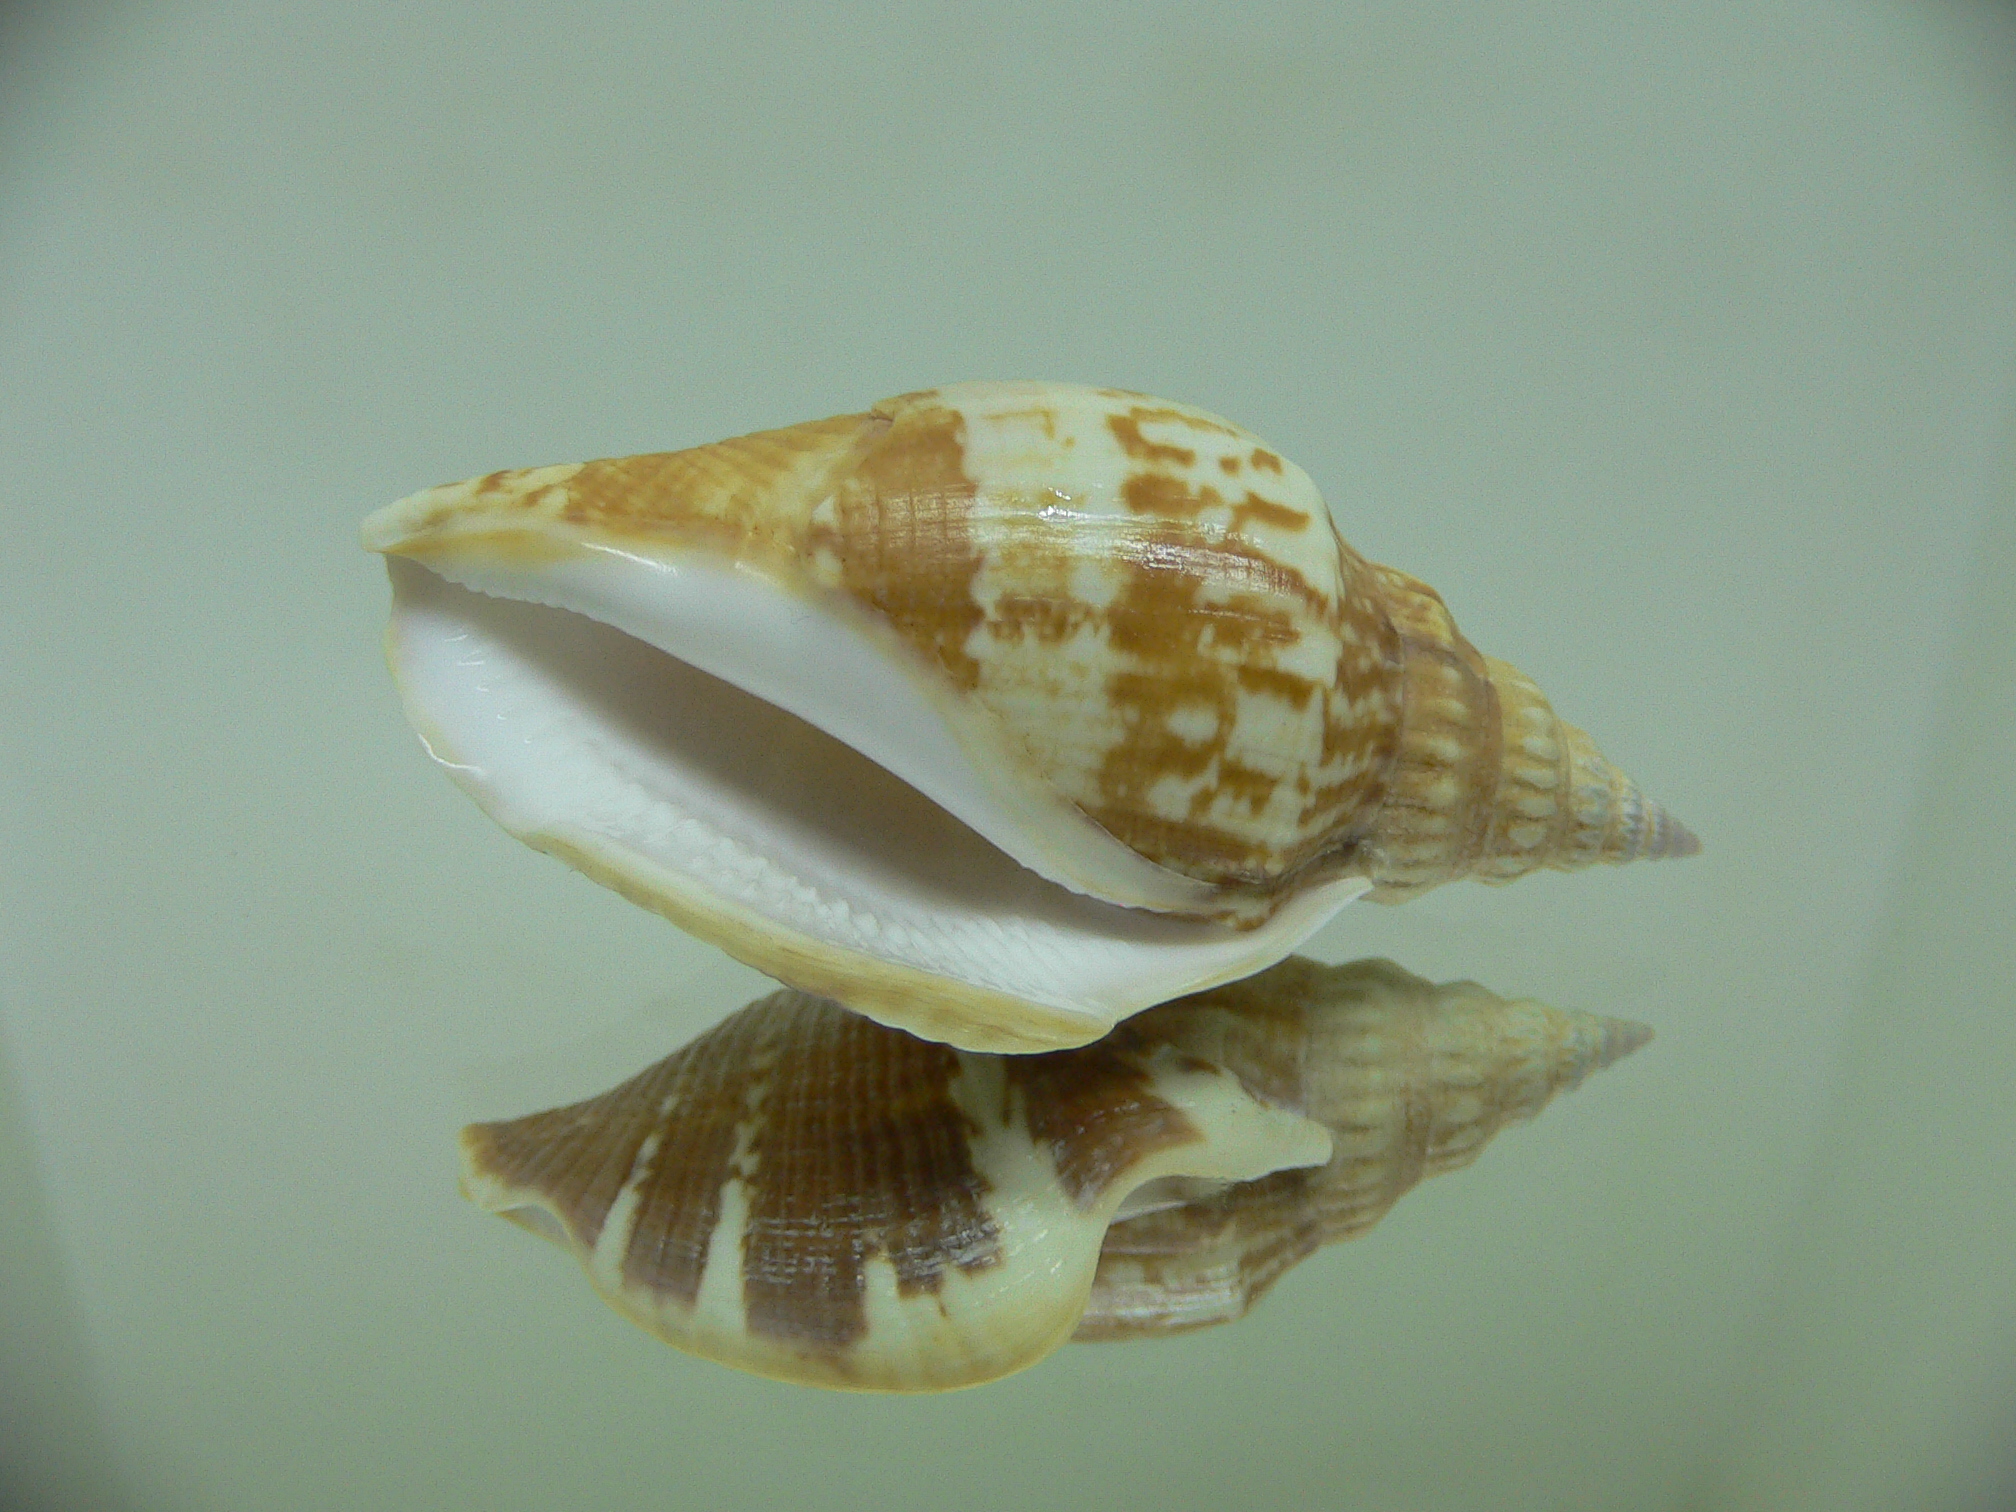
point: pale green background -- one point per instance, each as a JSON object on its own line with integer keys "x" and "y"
{"x": 1676, "y": 344}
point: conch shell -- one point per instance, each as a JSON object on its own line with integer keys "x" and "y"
{"x": 811, "y": 1196}
{"x": 999, "y": 711}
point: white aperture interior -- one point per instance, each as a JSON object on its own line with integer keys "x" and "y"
{"x": 560, "y": 725}
{"x": 851, "y": 678}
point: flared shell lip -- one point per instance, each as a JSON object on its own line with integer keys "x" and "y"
{"x": 490, "y": 558}
{"x": 965, "y": 1013}
{"x": 971, "y": 1016}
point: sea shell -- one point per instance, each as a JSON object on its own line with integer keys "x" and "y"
{"x": 811, "y": 1196}
{"x": 1110, "y": 638}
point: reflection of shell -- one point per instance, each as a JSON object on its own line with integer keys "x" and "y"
{"x": 1115, "y": 639}
{"x": 810, "y": 1196}
{"x": 1411, "y": 1079}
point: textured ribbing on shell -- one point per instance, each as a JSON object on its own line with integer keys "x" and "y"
{"x": 1488, "y": 781}
{"x": 1412, "y": 1079}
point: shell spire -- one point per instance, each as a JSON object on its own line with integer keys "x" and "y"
{"x": 1488, "y": 781}
{"x": 1412, "y": 1079}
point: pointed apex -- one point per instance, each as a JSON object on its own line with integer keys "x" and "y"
{"x": 1611, "y": 819}
{"x": 1560, "y": 803}
{"x": 1620, "y": 1038}
{"x": 1677, "y": 839}
{"x": 1578, "y": 1045}
{"x": 1489, "y": 782}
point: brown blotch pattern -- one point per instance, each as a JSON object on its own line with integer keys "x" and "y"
{"x": 1254, "y": 510}
{"x": 720, "y": 497}
{"x": 1047, "y": 619}
{"x": 1206, "y": 613}
{"x": 1203, "y": 613}
{"x": 1193, "y": 649}
{"x": 862, "y": 1151}
{"x": 1127, "y": 431}
{"x": 1184, "y": 651}
{"x": 1093, "y": 1110}
{"x": 1364, "y": 706}
{"x": 1289, "y": 687}
{"x": 853, "y": 1147}
{"x": 1152, "y": 412}
{"x": 901, "y": 536}
{"x": 1174, "y": 498}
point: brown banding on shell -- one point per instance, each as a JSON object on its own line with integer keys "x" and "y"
{"x": 807, "y": 1194}
{"x": 812, "y": 1196}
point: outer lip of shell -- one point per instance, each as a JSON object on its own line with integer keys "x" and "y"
{"x": 811, "y": 654}
{"x": 808, "y": 1196}
{"x": 870, "y": 894}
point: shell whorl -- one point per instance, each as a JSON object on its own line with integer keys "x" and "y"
{"x": 1487, "y": 781}
{"x": 809, "y": 1195}
{"x": 1411, "y": 1078}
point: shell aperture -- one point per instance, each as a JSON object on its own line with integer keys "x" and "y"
{"x": 814, "y": 1197}
{"x": 756, "y": 830}
{"x": 1112, "y": 644}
